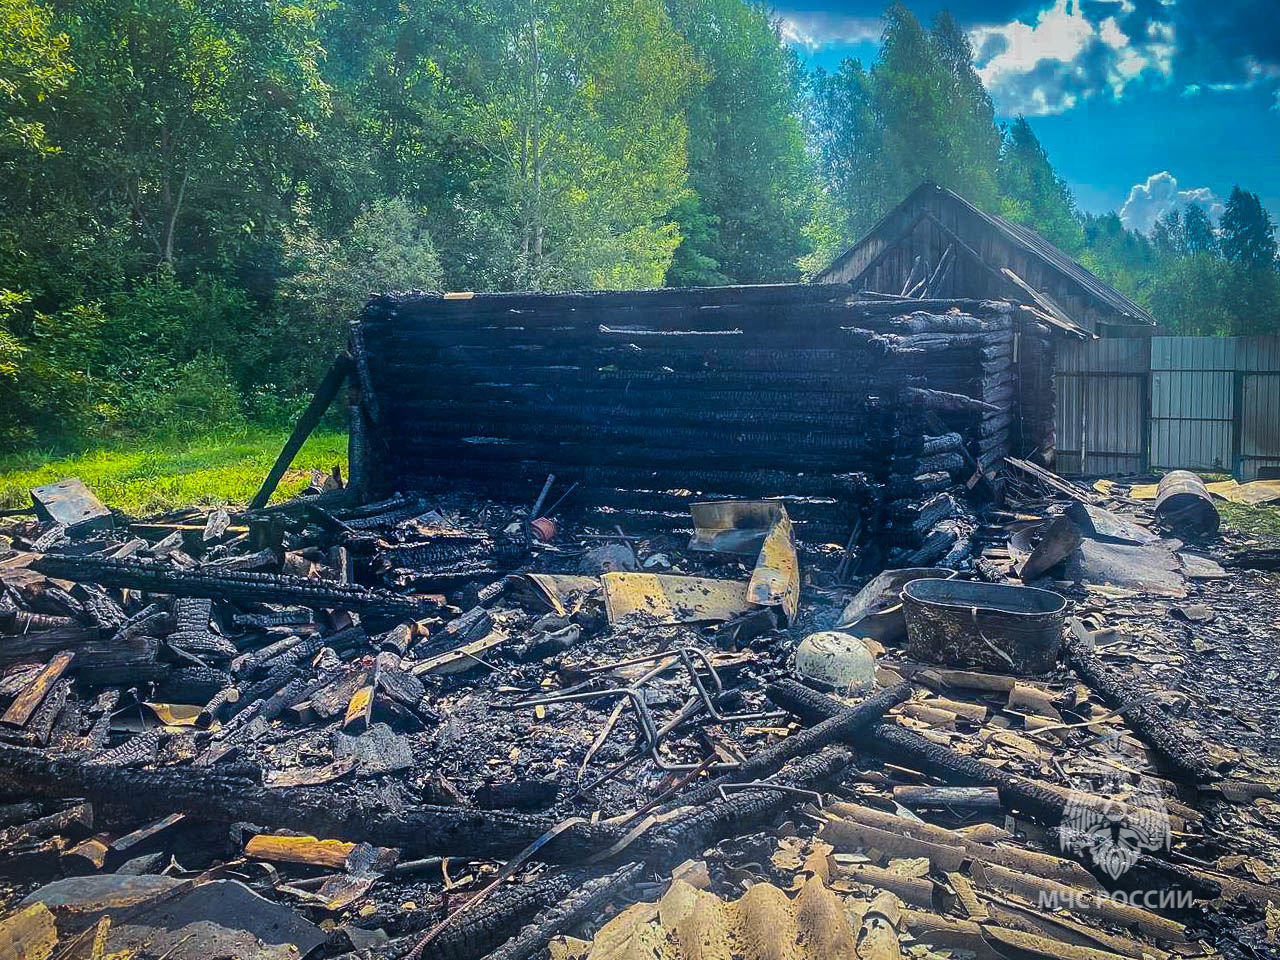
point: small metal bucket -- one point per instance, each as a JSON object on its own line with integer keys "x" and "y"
{"x": 988, "y": 626}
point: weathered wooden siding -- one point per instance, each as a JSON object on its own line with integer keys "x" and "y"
{"x": 929, "y": 221}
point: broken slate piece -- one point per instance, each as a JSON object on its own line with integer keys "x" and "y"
{"x": 222, "y": 918}
{"x": 608, "y": 558}
{"x": 72, "y": 504}
{"x": 1194, "y": 612}
{"x": 377, "y": 751}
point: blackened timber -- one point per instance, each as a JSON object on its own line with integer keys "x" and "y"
{"x": 654, "y": 437}
{"x": 491, "y": 922}
{"x": 564, "y": 915}
{"x": 426, "y": 474}
{"x": 234, "y": 585}
{"x": 683, "y": 298}
{"x": 325, "y": 392}
{"x": 208, "y": 796}
{"x": 1048, "y": 805}
{"x": 846, "y": 725}
{"x": 1172, "y": 741}
{"x": 511, "y": 413}
{"x": 586, "y": 451}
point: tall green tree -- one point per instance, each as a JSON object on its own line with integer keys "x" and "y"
{"x": 848, "y": 141}
{"x": 34, "y": 65}
{"x": 1247, "y": 231}
{"x": 195, "y": 119}
{"x": 920, "y": 113}
{"x": 748, "y": 162}
{"x": 973, "y": 141}
{"x": 1032, "y": 193}
{"x": 1198, "y": 230}
{"x": 584, "y": 117}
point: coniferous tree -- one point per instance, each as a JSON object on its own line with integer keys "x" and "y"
{"x": 1198, "y": 230}
{"x": 1247, "y": 231}
{"x": 1031, "y": 191}
{"x": 748, "y": 161}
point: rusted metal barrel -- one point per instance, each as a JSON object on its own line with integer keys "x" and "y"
{"x": 988, "y": 626}
{"x": 1184, "y": 505}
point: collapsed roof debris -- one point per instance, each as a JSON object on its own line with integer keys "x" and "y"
{"x": 494, "y": 712}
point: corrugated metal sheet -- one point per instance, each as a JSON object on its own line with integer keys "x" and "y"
{"x": 691, "y": 924}
{"x": 1260, "y": 419}
{"x": 1192, "y": 409}
{"x": 1104, "y": 356}
{"x": 1101, "y": 406}
{"x": 1213, "y": 404}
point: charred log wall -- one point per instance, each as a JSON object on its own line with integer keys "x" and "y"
{"x": 786, "y": 390}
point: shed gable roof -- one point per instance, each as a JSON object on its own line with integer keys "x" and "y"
{"x": 1025, "y": 239}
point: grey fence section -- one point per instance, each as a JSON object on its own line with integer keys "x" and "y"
{"x": 1198, "y": 403}
{"x": 1102, "y": 399}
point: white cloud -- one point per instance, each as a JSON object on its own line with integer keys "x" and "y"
{"x": 816, "y": 29}
{"x": 1064, "y": 56}
{"x": 1148, "y": 202}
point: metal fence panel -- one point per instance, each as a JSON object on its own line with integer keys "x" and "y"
{"x": 1101, "y": 422}
{"x": 1259, "y": 421}
{"x": 1203, "y": 403}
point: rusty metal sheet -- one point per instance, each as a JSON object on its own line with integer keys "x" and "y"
{"x": 775, "y": 581}
{"x": 733, "y": 526}
{"x": 660, "y": 598}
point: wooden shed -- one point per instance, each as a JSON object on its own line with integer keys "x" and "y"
{"x": 936, "y": 244}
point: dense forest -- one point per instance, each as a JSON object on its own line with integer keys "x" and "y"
{"x": 195, "y": 196}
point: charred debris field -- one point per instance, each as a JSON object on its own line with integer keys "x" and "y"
{"x": 652, "y": 657}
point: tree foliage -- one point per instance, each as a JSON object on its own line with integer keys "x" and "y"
{"x": 1032, "y": 193}
{"x": 1248, "y": 232}
{"x": 195, "y": 195}
{"x": 749, "y": 167}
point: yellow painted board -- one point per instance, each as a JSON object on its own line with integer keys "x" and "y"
{"x": 29, "y": 934}
{"x": 308, "y": 850}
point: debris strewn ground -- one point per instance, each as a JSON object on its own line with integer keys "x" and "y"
{"x": 449, "y": 726}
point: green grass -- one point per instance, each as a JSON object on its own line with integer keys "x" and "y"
{"x": 1260, "y": 521}
{"x": 148, "y": 478}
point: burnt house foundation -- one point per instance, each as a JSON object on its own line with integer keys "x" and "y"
{"x": 873, "y": 419}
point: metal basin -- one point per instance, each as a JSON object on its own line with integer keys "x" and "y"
{"x": 987, "y": 626}
{"x": 876, "y": 611}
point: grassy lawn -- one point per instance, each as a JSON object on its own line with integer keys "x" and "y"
{"x": 150, "y": 478}
{"x": 1260, "y": 521}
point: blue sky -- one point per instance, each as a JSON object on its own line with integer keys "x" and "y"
{"x": 1142, "y": 104}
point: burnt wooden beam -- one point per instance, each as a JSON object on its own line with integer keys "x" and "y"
{"x": 25, "y": 704}
{"x": 238, "y": 586}
{"x": 320, "y": 400}
{"x": 1171, "y": 740}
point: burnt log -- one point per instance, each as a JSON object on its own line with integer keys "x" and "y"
{"x": 237, "y": 586}
{"x": 844, "y": 726}
{"x": 564, "y": 915}
{"x": 1171, "y": 741}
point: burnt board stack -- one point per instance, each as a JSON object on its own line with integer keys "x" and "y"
{"x": 858, "y": 413}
